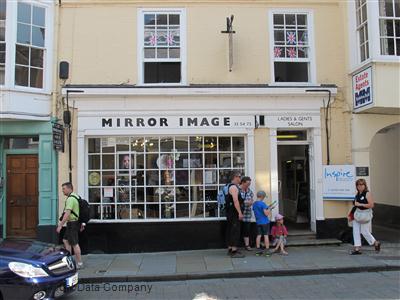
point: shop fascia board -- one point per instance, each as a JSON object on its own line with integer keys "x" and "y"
{"x": 192, "y": 91}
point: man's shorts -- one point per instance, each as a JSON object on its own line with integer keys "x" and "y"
{"x": 72, "y": 232}
{"x": 263, "y": 229}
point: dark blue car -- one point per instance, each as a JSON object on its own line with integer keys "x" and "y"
{"x": 35, "y": 270}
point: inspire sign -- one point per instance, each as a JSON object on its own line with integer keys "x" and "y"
{"x": 338, "y": 182}
{"x": 362, "y": 88}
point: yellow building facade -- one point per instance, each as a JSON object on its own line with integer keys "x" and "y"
{"x": 168, "y": 97}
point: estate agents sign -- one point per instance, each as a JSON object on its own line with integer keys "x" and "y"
{"x": 362, "y": 88}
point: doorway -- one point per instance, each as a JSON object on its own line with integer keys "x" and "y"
{"x": 294, "y": 185}
{"x": 22, "y": 196}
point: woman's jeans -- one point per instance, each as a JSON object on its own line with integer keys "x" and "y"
{"x": 364, "y": 230}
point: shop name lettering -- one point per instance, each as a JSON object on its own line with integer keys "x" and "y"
{"x": 164, "y": 122}
{"x": 339, "y": 175}
{"x": 295, "y": 121}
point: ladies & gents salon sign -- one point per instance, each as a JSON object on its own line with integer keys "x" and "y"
{"x": 338, "y": 182}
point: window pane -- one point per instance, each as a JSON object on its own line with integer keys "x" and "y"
{"x": 152, "y": 211}
{"x": 23, "y": 34}
{"x": 21, "y": 55}
{"x": 279, "y": 36}
{"x": 38, "y": 36}
{"x": 36, "y": 57}
{"x": 182, "y": 177}
{"x": 386, "y": 8}
{"x": 238, "y": 143}
{"x": 196, "y": 194}
{"x": 162, "y": 72}
{"x": 149, "y": 52}
{"x": 137, "y": 144}
{"x": 38, "y": 16}
{"x": 211, "y": 160}
{"x": 21, "y": 75}
{"x": 278, "y": 19}
{"x": 167, "y": 211}
{"x": 225, "y": 160}
{"x": 397, "y": 47}
{"x": 397, "y": 9}
{"x": 173, "y": 19}
{"x": 301, "y": 20}
{"x": 224, "y": 143}
{"x": 174, "y": 53}
{"x": 2, "y": 32}
{"x": 397, "y": 28}
{"x": 238, "y": 161}
{"x": 291, "y": 72}
{"x": 108, "y": 162}
{"x": 290, "y": 19}
{"x": 161, "y": 19}
{"x": 94, "y": 195}
{"x": 149, "y": 19}
{"x": 166, "y": 144}
{"x": 197, "y": 210}
{"x": 182, "y": 194}
{"x": 182, "y": 210}
{"x": 196, "y": 160}
{"x": 161, "y": 36}
{"x": 94, "y": 162}
{"x": 386, "y": 28}
{"x": 387, "y": 46}
{"x": 196, "y": 177}
{"x": 94, "y": 145}
{"x": 3, "y": 8}
{"x": 162, "y": 53}
{"x": 196, "y": 143}
{"x": 24, "y": 12}
{"x": 211, "y": 210}
{"x": 36, "y": 79}
{"x": 181, "y": 143}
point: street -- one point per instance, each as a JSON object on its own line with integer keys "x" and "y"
{"x": 376, "y": 285}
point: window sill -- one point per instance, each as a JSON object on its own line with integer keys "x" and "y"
{"x": 21, "y": 89}
{"x": 293, "y": 84}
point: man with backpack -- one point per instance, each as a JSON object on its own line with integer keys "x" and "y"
{"x": 71, "y": 217}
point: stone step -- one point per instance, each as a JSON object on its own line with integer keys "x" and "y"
{"x": 301, "y": 241}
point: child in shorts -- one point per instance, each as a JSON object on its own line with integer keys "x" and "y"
{"x": 279, "y": 234}
{"x": 261, "y": 212}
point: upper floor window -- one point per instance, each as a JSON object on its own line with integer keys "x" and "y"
{"x": 3, "y": 5}
{"x": 362, "y": 28}
{"x": 30, "y": 45}
{"x": 291, "y": 47}
{"x": 389, "y": 27}
{"x": 162, "y": 47}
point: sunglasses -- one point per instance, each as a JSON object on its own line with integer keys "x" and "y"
{"x": 360, "y": 184}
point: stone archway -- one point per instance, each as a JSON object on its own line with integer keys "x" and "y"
{"x": 384, "y": 158}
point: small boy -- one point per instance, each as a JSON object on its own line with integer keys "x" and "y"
{"x": 261, "y": 212}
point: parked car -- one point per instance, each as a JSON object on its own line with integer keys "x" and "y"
{"x": 35, "y": 270}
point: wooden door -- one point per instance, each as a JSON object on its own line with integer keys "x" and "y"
{"x": 22, "y": 195}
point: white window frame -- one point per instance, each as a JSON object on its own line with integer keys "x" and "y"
{"x": 397, "y": 18}
{"x": 358, "y": 27}
{"x": 312, "y": 80}
{"x": 373, "y": 37}
{"x": 140, "y": 44}
{"x": 11, "y": 40}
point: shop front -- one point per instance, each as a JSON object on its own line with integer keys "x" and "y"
{"x": 151, "y": 172}
{"x": 155, "y": 179}
{"x": 28, "y": 185}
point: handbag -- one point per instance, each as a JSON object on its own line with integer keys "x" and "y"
{"x": 363, "y": 216}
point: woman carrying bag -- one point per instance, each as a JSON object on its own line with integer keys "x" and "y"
{"x": 363, "y": 204}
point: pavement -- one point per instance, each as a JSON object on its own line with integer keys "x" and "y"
{"x": 215, "y": 263}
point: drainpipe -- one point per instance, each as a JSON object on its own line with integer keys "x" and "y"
{"x": 328, "y": 159}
